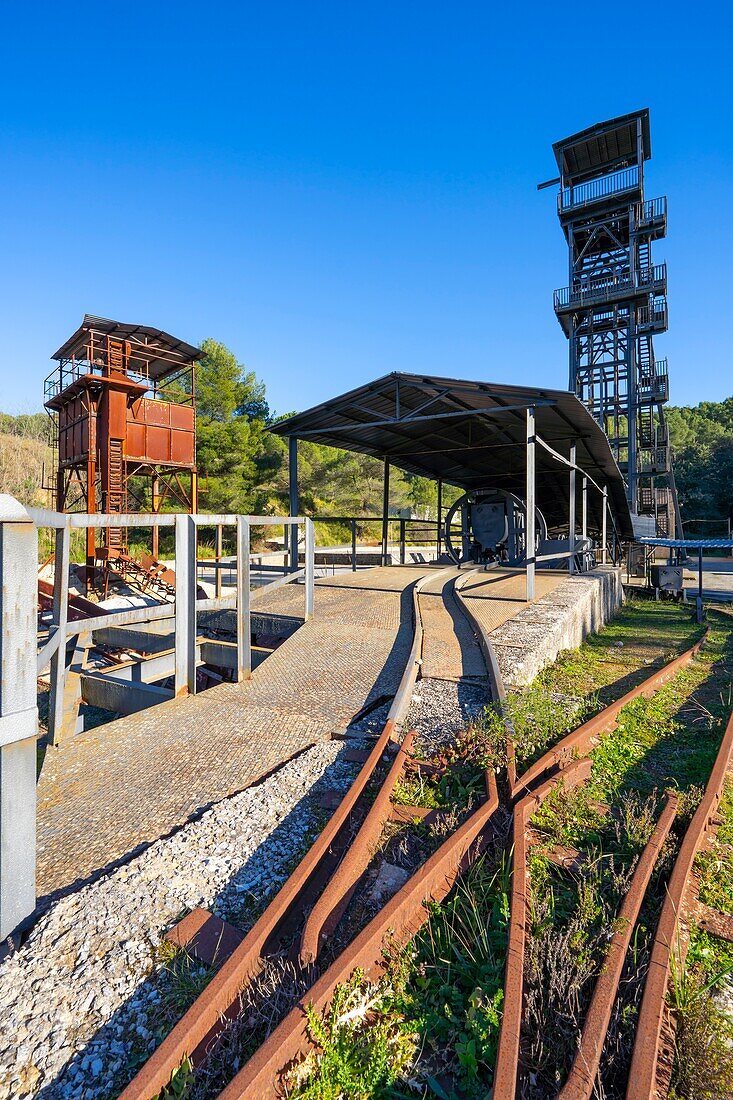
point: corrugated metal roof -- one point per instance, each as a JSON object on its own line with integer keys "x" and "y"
{"x": 603, "y": 144}
{"x": 173, "y": 354}
{"x": 456, "y": 430}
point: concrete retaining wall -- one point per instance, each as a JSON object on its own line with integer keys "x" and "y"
{"x": 562, "y": 620}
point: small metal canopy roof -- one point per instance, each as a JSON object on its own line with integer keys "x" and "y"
{"x": 606, "y": 143}
{"x": 690, "y": 544}
{"x": 159, "y": 352}
{"x": 473, "y": 435}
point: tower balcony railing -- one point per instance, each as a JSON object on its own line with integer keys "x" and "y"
{"x": 652, "y": 317}
{"x": 596, "y": 190}
{"x": 72, "y": 370}
{"x": 655, "y": 387}
{"x": 614, "y": 286}
{"x": 651, "y": 215}
{"x": 653, "y": 460}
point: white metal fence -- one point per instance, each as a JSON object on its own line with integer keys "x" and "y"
{"x": 23, "y": 657}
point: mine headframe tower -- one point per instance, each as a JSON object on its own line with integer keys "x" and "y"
{"x": 122, "y": 399}
{"x": 616, "y": 303}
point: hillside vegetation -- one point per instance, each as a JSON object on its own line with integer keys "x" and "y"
{"x": 702, "y": 439}
{"x": 24, "y": 449}
{"x": 244, "y": 467}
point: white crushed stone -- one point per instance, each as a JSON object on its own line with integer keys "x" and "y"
{"x": 78, "y": 1000}
{"x": 441, "y": 709}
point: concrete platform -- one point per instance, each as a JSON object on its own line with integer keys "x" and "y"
{"x": 570, "y": 609}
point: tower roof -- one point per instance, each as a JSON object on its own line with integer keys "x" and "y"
{"x": 602, "y": 145}
{"x": 158, "y": 350}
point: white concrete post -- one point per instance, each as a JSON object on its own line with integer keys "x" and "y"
{"x": 185, "y": 605}
{"x": 244, "y": 614}
{"x": 59, "y": 622}
{"x": 604, "y": 529}
{"x": 218, "y": 553}
{"x": 571, "y": 519}
{"x": 18, "y": 714}
{"x": 310, "y": 569}
{"x": 530, "y": 551}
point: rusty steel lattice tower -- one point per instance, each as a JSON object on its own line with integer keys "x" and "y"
{"x": 123, "y": 402}
{"x": 616, "y": 303}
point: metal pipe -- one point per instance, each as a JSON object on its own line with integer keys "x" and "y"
{"x": 353, "y": 546}
{"x": 439, "y": 543}
{"x": 530, "y": 547}
{"x": 185, "y": 609}
{"x": 699, "y": 585}
{"x": 218, "y": 549}
{"x": 604, "y": 526}
{"x": 60, "y": 615}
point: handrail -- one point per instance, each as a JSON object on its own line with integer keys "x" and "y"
{"x": 650, "y": 210}
{"x": 603, "y": 287}
{"x": 187, "y": 603}
{"x": 627, "y": 179}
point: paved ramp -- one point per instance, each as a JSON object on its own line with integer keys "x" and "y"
{"x": 131, "y": 781}
{"x": 498, "y": 595}
{"x": 118, "y": 787}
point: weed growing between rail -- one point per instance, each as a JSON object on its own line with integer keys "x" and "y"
{"x": 669, "y": 741}
{"x": 701, "y": 990}
{"x": 703, "y": 1040}
{"x": 435, "y": 1015}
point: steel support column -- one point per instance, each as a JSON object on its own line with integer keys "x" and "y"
{"x": 604, "y": 526}
{"x": 185, "y": 605}
{"x": 155, "y": 505}
{"x": 385, "y": 512}
{"x": 571, "y": 511}
{"x": 292, "y": 531}
{"x": 585, "y": 508}
{"x": 439, "y": 541}
{"x": 218, "y": 554}
{"x": 18, "y": 714}
{"x": 244, "y": 613}
{"x": 530, "y": 551}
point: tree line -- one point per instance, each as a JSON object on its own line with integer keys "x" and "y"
{"x": 244, "y": 468}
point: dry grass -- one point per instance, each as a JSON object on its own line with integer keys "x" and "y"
{"x": 21, "y": 468}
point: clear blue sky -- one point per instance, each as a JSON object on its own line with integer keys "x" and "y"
{"x": 338, "y": 190}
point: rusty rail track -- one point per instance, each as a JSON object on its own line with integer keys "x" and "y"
{"x": 309, "y": 906}
{"x": 507, "y": 1062}
{"x": 396, "y": 923}
{"x": 582, "y": 1077}
{"x": 568, "y": 762}
{"x": 322, "y": 886}
{"x": 668, "y": 941}
{"x": 585, "y": 737}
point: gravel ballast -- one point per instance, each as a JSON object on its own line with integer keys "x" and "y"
{"x": 87, "y": 997}
{"x": 80, "y": 1000}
